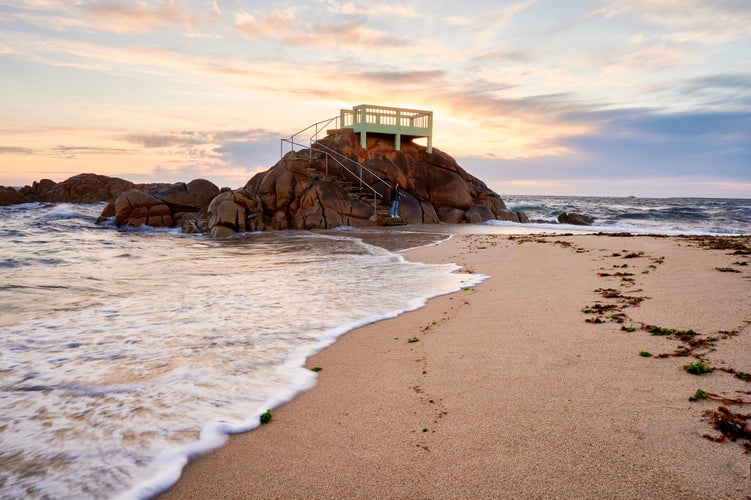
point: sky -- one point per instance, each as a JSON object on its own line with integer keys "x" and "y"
{"x": 558, "y": 97}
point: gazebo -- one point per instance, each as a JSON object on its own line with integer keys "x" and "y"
{"x": 399, "y": 122}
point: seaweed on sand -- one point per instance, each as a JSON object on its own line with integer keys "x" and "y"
{"x": 732, "y": 426}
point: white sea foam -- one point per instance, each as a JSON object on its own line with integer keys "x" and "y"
{"x": 125, "y": 353}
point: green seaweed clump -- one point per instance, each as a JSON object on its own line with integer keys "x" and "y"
{"x": 266, "y": 417}
{"x": 698, "y": 368}
{"x": 698, "y": 395}
{"x": 645, "y": 354}
{"x": 659, "y": 330}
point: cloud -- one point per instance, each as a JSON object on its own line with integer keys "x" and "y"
{"x": 386, "y": 77}
{"x": 727, "y": 90}
{"x": 139, "y": 18}
{"x": 230, "y": 148}
{"x": 635, "y": 151}
{"x": 287, "y": 27}
{"x": 504, "y": 55}
{"x": 11, "y": 150}
{"x": 162, "y": 140}
{"x": 71, "y": 152}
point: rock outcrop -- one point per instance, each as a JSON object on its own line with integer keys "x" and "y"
{"x": 82, "y": 188}
{"x": 87, "y": 188}
{"x": 163, "y": 205}
{"x": 309, "y": 189}
{"x": 12, "y": 196}
{"x": 335, "y": 183}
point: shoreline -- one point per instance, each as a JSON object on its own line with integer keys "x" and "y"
{"x": 508, "y": 391}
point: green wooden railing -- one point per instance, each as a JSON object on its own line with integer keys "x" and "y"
{"x": 385, "y": 120}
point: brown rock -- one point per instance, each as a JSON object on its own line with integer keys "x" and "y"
{"x": 507, "y": 215}
{"x": 576, "y": 219}
{"x": 181, "y": 197}
{"x": 479, "y": 213}
{"x": 86, "y": 188}
{"x": 194, "y": 222}
{"x": 232, "y": 212}
{"x": 429, "y": 215}
{"x": 109, "y": 211}
{"x": 451, "y": 215}
{"x": 11, "y": 196}
{"x": 135, "y": 208}
{"x": 307, "y": 190}
{"x": 38, "y": 190}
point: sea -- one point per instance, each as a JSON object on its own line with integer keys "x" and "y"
{"x": 125, "y": 352}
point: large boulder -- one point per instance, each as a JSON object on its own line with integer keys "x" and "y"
{"x": 451, "y": 215}
{"x": 179, "y": 196}
{"x": 479, "y": 213}
{"x": 232, "y": 212}
{"x": 136, "y": 208}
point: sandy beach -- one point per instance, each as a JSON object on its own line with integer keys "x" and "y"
{"x": 507, "y": 390}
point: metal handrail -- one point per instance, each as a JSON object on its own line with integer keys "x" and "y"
{"x": 314, "y": 145}
{"x": 291, "y": 139}
{"x": 314, "y": 138}
{"x": 345, "y": 157}
{"x": 323, "y": 149}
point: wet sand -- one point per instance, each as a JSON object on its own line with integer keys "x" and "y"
{"x": 506, "y": 391}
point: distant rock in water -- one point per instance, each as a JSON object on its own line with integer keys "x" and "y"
{"x": 575, "y": 219}
{"x": 309, "y": 189}
{"x": 82, "y": 188}
{"x": 87, "y": 188}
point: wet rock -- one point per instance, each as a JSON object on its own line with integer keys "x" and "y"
{"x": 11, "y": 196}
{"x": 575, "y": 219}
{"x": 136, "y": 208}
{"x": 233, "y": 211}
{"x": 479, "y": 213}
{"x": 451, "y": 215}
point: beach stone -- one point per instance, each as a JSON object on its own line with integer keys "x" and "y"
{"x": 575, "y": 219}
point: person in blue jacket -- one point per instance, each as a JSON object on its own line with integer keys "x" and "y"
{"x": 395, "y": 200}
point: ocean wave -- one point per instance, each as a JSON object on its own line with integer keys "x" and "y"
{"x": 113, "y": 337}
